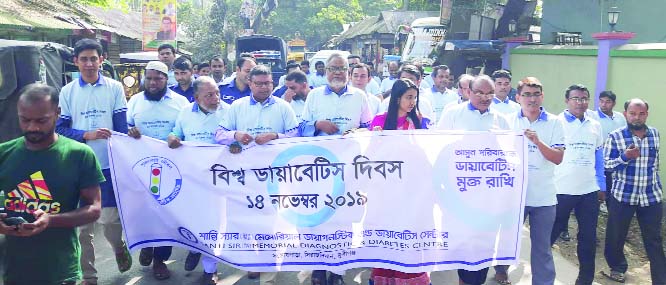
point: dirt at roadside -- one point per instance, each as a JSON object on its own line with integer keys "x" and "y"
{"x": 639, "y": 269}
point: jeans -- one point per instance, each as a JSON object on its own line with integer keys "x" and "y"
{"x": 649, "y": 220}
{"x": 586, "y": 210}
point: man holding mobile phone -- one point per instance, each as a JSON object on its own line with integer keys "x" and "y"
{"x": 44, "y": 176}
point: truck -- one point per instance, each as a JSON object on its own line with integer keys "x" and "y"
{"x": 423, "y": 37}
{"x": 296, "y": 49}
{"x": 268, "y": 50}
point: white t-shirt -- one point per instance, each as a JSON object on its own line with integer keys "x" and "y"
{"x": 608, "y": 124}
{"x": 466, "y": 117}
{"x": 90, "y": 107}
{"x": 348, "y": 111}
{"x": 155, "y": 119}
{"x": 541, "y": 189}
{"x": 193, "y": 124}
{"x": 576, "y": 174}
{"x": 506, "y": 107}
{"x": 273, "y": 116}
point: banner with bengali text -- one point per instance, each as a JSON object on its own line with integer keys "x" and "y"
{"x": 412, "y": 201}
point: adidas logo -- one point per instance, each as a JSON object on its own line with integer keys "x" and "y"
{"x": 32, "y": 195}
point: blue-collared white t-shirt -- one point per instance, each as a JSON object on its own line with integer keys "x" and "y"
{"x": 90, "y": 107}
{"x": 297, "y": 106}
{"x": 506, "y": 107}
{"x": 466, "y": 117}
{"x": 247, "y": 115}
{"x": 608, "y": 123}
{"x": 155, "y": 119}
{"x": 439, "y": 101}
{"x": 576, "y": 175}
{"x": 347, "y": 111}
{"x": 541, "y": 189}
{"x": 193, "y": 124}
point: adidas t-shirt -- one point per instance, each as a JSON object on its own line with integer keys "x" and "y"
{"x": 50, "y": 180}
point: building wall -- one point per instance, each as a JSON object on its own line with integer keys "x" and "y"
{"x": 634, "y": 71}
{"x": 591, "y": 16}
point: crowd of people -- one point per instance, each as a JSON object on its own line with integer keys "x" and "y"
{"x": 578, "y": 159}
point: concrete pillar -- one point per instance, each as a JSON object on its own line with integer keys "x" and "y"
{"x": 511, "y": 43}
{"x": 607, "y": 41}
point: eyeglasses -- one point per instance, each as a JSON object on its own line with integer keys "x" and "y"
{"x": 531, "y": 95}
{"x": 480, "y": 94}
{"x": 580, "y": 100}
{"x": 263, "y": 84}
{"x": 337, "y": 69}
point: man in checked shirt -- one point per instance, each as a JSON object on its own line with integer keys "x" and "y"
{"x": 632, "y": 154}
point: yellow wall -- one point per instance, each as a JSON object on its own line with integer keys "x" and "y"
{"x": 556, "y": 73}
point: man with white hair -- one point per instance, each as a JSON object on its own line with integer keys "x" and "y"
{"x": 334, "y": 109}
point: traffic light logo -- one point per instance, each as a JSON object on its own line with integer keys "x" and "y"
{"x": 155, "y": 179}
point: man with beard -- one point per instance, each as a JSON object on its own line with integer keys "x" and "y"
{"x": 198, "y": 122}
{"x": 632, "y": 153}
{"x": 297, "y": 92}
{"x": 90, "y": 108}
{"x": 153, "y": 113}
{"x": 258, "y": 118}
{"x": 182, "y": 69}
{"x": 579, "y": 179}
{"x": 334, "y": 109}
{"x": 218, "y": 68}
{"x": 59, "y": 174}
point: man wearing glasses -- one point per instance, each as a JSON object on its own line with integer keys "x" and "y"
{"x": 580, "y": 180}
{"x": 153, "y": 113}
{"x": 336, "y": 107}
{"x": 475, "y": 115}
{"x": 546, "y": 149}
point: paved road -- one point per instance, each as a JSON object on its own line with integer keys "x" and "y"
{"x": 138, "y": 275}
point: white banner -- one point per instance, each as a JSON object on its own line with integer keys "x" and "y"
{"x": 411, "y": 201}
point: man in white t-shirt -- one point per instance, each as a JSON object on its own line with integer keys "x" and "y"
{"x": 153, "y": 113}
{"x": 502, "y": 103}
{"x": 91, "y": 107}
{"x": 413, "y": 73}
{"x": 475, "y": 115}
{"x": 545, "y": 150}
{"x": 580, "y": 180}
{"x": 297, "y": 92}
{"x": 441, "y": 94}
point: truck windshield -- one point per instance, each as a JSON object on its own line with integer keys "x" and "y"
{"x": 421, "y": 41}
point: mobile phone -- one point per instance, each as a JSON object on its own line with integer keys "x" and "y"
{"x": 14, "y": 221}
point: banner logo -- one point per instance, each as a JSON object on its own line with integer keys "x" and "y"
{"x": 160, "y": 176}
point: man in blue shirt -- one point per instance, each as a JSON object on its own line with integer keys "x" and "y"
{"x": 632, "y": 154}
{"x": 182, "y": 69}
{"x": 91, "y": 107}
{"x": 238, "y": 87}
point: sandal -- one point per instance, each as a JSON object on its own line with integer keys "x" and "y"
{"x": 615, "y": 276}
{"x": 146, "y": 256}
{"x": 124, "y": 259}
{"x": 502, "y": 279}
{"x": 160, "y": 271}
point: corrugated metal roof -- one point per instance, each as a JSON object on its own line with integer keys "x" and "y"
{"x": 386, "y": 23}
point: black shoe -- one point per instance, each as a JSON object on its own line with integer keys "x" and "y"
{"x": 565, "y": 236}
{"x": 334, "y": 279}
{"x": 209, "y": 278}
{"x": 146, "y": 256}
{"x": 318, "y": 277}
{"x": 192, "y": 260}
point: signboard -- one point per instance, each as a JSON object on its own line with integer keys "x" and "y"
{"x": 159, "y": 23}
